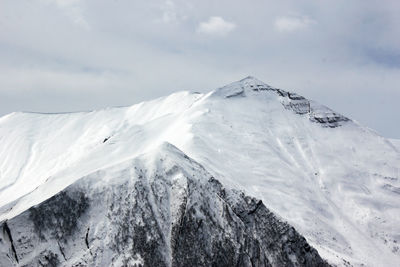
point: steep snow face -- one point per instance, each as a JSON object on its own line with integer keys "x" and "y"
{"x": 337, "y": 182}
{"x": 338, "y": 185}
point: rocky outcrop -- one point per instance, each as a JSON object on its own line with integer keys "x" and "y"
{"x": 177, "y": 215}
{"x": 291, "y": 101}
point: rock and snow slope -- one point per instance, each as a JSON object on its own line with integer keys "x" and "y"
{"x": 159, "y": 209}
{"x": 335, "y": 181}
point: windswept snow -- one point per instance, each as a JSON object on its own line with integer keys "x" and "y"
{"x": 337, "y": 182}
{"x": 39, "y": 150}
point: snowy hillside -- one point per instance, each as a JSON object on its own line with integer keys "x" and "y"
{"x": 335, "y": 181}
{"x": 396, "y": 143}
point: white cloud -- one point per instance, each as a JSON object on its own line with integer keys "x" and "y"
{"x": 216, "y": 26}
{"x": 292, "y": 23}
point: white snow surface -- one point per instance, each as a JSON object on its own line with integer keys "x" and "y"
{"x": 339, "y": 187}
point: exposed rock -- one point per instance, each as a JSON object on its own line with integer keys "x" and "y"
{"x": 7, "y": 236}
{"x": 59, "y": 214}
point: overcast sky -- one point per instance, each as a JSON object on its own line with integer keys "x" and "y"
{"x": 69, "y": 55}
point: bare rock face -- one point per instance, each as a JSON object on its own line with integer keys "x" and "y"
{"x": 174, "y": 215}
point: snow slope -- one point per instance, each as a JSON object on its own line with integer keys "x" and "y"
{"x": 335, "y": 181}
{"x": 396, "y": 143}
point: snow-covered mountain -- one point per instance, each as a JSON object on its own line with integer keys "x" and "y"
{"x": 199, "y": 179}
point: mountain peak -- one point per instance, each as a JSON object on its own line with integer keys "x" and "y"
{"x": 250, "y": 78}
{"x": 251, "y": 86}
{"x": 250, "y": 82}
{"x": 240, "y": 87}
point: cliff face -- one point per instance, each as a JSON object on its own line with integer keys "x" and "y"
{"x": 175, "y": 215}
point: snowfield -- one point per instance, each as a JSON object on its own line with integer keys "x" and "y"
{"x": 335, "y": 181}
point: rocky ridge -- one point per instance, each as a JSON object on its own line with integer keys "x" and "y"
{"x": 175, "y": 215}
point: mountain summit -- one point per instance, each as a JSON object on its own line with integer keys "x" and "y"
{"x": 245, "y": 175}
{"x": 250, "y": 86}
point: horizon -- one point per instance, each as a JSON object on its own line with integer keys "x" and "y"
{"x": 69, "y": 56}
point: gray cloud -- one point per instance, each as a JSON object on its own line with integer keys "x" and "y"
{"x": 60, "y": 55}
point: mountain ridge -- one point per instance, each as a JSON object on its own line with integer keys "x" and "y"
{"x": 319, "y": 176}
